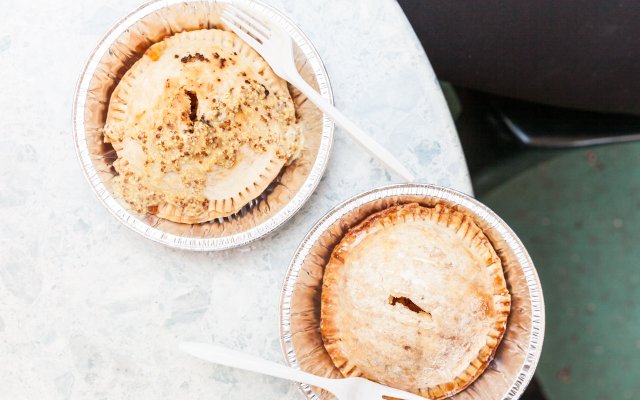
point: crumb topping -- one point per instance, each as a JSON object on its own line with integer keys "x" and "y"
{"x": 191, "y": 58}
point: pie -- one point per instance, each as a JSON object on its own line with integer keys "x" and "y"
{"x": 201, "y": 126}
{"x": 414, "y": 298}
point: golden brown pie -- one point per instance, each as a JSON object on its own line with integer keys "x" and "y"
{"x": 414, "y": 298}
{"x": 201, "y": 126}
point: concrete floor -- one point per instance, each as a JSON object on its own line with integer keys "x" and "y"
{"x": 578, "y": 213}
{"x": 579, "y": 216}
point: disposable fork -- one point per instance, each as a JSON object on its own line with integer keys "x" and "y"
{"x": 274, "y": 44}
{"x": 343, "y": 389}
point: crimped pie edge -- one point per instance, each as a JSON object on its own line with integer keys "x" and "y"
{"x": 468, "y": 231}
{"x": 228, "y": 41}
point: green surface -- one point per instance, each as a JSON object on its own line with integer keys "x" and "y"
{"x": 579, "y": 216}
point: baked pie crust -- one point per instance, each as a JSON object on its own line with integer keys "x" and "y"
{"x": 415, "y": 298}
{"x": 201, "y": 126}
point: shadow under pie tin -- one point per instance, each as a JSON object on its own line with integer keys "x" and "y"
{"x": 516, "y": 358}
{"x": 120, "y": 48}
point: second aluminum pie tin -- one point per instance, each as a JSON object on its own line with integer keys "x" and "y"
{"x": 519, "y": 351}
{"x": 120, "y": 48}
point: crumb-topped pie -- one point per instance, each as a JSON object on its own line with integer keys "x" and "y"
{"x": 201, "y": 126}
{"x": 415, "y": 298}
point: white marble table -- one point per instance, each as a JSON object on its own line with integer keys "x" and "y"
{"x": 91, "y": 310}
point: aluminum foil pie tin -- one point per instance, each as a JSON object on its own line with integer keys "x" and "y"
{"x": 519, "y": 351}
{"x": 120, "y": 48}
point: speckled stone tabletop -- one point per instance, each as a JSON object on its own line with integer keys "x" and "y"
{"x": 90, "y": 309}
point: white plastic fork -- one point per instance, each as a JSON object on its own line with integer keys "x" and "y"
{"x": 343, "y": 389}
{"x": 274, "y": 45}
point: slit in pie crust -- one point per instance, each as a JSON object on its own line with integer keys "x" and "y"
{"x": 414, "y": 298}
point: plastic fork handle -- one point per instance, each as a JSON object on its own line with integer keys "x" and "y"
{"x": 373, "y": 147}
{"x": 231, "y": 358}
